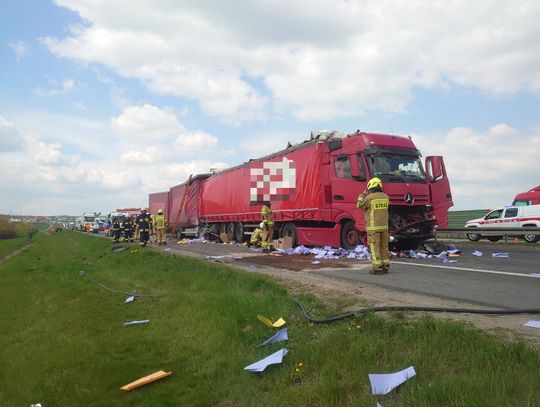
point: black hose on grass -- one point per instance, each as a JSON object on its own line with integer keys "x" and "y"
{"x": 84, "y": 273}
{"x": 410, "y": 308}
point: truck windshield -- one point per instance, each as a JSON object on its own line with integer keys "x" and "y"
{"x": 88, "y": 218}
{"x": 396, "y": 168}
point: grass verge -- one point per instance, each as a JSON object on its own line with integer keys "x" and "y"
{"x": 62, "y": 342}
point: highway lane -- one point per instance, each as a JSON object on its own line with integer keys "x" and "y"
{"x": 499, "y": 282}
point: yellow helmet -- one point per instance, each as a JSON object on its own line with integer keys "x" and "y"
{"x": 374, "y": 183}
{"x": 160, "y": 212}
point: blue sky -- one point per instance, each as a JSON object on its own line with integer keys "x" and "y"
{"x": 103, "y": 102}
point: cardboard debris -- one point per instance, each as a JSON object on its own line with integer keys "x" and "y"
{"x": 273, "y": 359}
{"x": 278, "y": 324}
{"x": 146, "y": 380}
{"x": 283, "y": 243}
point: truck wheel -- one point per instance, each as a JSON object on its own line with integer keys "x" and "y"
{"x": 494, "y": 238}
{"x": 239, "y": 232}
{"x": 222, "y": 229}
{"x": 350, "y": 236}
{"x": 231, "y": 231}
{"x": 531, "y": 238}
{"x": 473, "y": 237}
{"x": 289, "y": 229}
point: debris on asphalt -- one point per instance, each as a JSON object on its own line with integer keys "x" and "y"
{"x": 146, "y": 380}
{"x": 278, "y": 324}
{"x": 360, "y": 252}
{"x": 273, "y": 359}
{"x": 536, "y": 275}
{"x": 477, "y": 253}
{"x": 503, "y": 255}
{"x": 280, "y": 336}
{"x": 384, "y": 383}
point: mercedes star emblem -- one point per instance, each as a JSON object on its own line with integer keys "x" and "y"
{"x": 409, "y": 199}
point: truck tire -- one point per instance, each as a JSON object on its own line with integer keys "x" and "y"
{"x": 289, "y": 229}
{"x": 473, "y": 237}
{"x": 239, "y": 232}
{"x": 231, "y": 231}
{"x": 222, "y": 229}
{"x": 531, "y": 238}
{"x": 350, "y": 236}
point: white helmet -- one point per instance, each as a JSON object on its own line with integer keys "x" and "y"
{"x": 261, "y": 225}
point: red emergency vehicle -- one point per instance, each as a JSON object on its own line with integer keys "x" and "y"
{"x": 313, "y": 188}
{"x": 531, "y": 197}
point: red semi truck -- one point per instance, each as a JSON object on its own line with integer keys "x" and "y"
{"x": 531, "y": 197}
{"x": 313, "y": 188}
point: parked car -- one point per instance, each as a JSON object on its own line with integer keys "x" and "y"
{"x": 511, "y": 217}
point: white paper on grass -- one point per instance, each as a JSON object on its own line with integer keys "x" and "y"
{"x": 379, "y": 404}
{"x": 262, "y": 364}
{"x": 501, "y": 254}
{"x": 143, "y": 321}
{"x": 385, "y": 383}
{"x": 316, "y": 262}
{"x": 533, "y": 324}
{"x": 477, "y": 253}
{"x": 280, "y": 335}
{"x": 130, "y": 299}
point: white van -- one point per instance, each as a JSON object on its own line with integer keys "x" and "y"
{"x": 510, "y": 217}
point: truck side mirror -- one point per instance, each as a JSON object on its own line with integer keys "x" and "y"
{"x": 356, "y": 171}
{"x": 434, "y": 168}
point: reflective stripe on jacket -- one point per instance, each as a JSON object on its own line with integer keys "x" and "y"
{"x": 267, "y": 216}
{"x": 375, "y": 206}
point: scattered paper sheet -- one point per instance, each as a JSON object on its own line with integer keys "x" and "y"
{"x": 262, "y": 364}
{"x": 537, "y": 275}
{"x": 144, "y": 321}
{"x": 446, "y": 260}
{"x": 316, "y": 262}
{"x": 477, "y": 253}
{"x": 130, "y": 299}
{"x": 379, "y": 404}
{"x": 501, "y": 254}
{"x": 533, "y": 324}
{"x": 278, "y": 324}
{"x": 146, "y": 380}
{"x": 385, "y": 383}
{"x": 280, "y": 335}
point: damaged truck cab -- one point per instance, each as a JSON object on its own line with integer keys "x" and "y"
{"x": 419, "y": 199}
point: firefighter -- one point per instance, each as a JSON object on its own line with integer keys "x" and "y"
{"x": 160, "y": 224}
{"x": 137, "y": 220}
{"x": 116, "y": 230}
{"x": 256, "y": 236}
{"x": 144, "y": 227}
{"x": 267, "y": 233}
{"x": 128, "y": 230}
{"x": 374, "y": 202}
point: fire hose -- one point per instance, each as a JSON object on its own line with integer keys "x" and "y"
{"x": 412, "y": 308}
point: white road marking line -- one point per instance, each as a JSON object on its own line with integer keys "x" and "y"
{"x": 506, "y": 273}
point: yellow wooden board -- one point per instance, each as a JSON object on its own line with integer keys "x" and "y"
{"x": 146, "y": 380}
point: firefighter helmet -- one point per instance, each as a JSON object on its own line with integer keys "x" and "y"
{"x": 261, "y": 225}
{"x": 374, "y": 183}
{"x": 160, "y": 212}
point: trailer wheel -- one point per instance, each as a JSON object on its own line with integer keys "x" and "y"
{"x": 231, "y": 231}
{"x": 350, "y": 236}
{"x": 239, "y": 232}
{"x": 289, "y": 229}
{"x": 222, "y": 229}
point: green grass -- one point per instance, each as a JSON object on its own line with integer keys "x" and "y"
{"x": 62, "y": 342}
{"x": 8, "y": 246}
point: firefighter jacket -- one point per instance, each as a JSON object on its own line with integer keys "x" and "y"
{"x": 145, "y": 223}
{"x": 267, "y": 217}
{"x": 116, "y": 225}
{"x": 375, "y": 206}
{"x": 128, "y": 225}
{"x": 159, "y": 221}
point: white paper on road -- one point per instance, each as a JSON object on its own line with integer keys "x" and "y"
{"x": 477, "y": 253}
{"x": 501, "y": 254}
{"x": 280, "y": 335}
{"x": 446, "y": 260}
{"x": 130, "y": 299}
{"x": 537, "y": 275}
{"x": 144, "y": 321}
{"x": 273, "y": 359}
{"x": 533, "y": 324}
{"x": 385, "y": 383}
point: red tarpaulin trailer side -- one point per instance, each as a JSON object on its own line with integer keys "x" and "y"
{"x": 157, "y": 201}
{"x": 184, "y": 203}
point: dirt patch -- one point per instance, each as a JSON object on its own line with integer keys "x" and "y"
{"x": 294, "y": 263}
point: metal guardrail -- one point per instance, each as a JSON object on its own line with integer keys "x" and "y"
{"x": 491, "y": 232}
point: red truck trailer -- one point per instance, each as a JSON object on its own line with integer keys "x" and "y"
{"x": 313, "y": 188}
{"x": 157, "y": 201}
{"x": 531, "y": 197}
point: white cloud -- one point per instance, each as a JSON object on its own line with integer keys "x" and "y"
{"x": 486, "y": 168}
{"x": 317, "y": 60}
{"x": 146, "y": 122}
{"x": 196, "y": 141}
{"x": 57, "y": 88}
{"x": 21, "y": 49}
{"x": 10, "y": 139}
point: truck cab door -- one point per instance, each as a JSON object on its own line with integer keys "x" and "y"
{"x": 439, "y": 189}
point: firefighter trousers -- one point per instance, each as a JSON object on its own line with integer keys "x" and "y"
{"x": 256, "y": 237}
{"x": 267, "y": 235}
{"x": 378, "y": 247}
{"x": 160, "y": 236}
